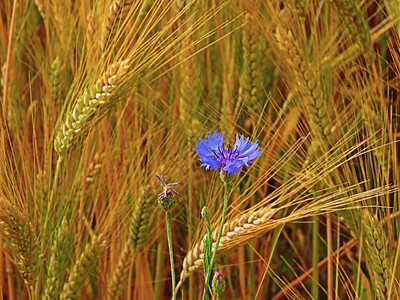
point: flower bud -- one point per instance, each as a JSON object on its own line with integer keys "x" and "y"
{"x": 166, "y": 203}
{"x": 218, "y": 283}
{"x": 166, "y": 199}
{"x": 205, "y": 213}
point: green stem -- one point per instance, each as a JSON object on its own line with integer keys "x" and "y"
{"x": 171, "y": 252}
{"x": 207, "y": 251}
{"x": 207, "y": 280}
{"x": 50, "y": 206}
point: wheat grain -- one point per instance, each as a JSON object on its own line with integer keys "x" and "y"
{"x": 90, "y": 106}
{"x": 74, "y": 284}
{"x": 235, "y": 232}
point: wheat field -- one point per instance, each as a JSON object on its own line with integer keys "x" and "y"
{"x": 97, "y": 97}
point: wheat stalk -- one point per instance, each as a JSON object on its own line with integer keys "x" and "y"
{"x": 235, "y": 232}
{"x": 90, "y": 106}
{"x": 74, "y": 284}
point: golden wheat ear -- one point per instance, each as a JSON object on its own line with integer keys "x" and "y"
{"x": 18, "y": 234}
{"x": 91, "y": 105}
{"x": 73, "y": 286}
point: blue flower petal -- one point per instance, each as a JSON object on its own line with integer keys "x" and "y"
{"x": 214, "y": 155}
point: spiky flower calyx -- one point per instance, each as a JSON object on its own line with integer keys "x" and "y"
{"x": 167, "y": 198}
{"x": 214, "y": 155}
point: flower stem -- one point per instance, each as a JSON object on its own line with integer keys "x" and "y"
{"x": 171, "y": 252}
{"x": 207, "y": 249}
{"x": 208, "y": 275}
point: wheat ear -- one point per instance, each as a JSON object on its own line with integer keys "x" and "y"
{"x": 235, "y": 232}
{"x": 139, "y": 223}
{"x": 74, "y": 284}
{"x": 378, "y": 255}
{"x": 249, "y": 79}
{"x": 374, "y": 125}
{"x": 17, "y": 232}
{"x": 120, "y": 272}
{"x": 138, "y": 231}
{"x": 307, "y": 82}
{"x": 56, "y": 266}
{"x": 55, "y": 79}
{"x": 117, "y": 12}
{"x": 40, "y": 6}
{"x": 90, "y": 106}
{"x": 356, "y": 24}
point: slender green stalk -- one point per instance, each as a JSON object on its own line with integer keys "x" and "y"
{"x": 207, "y": 245}
{"x": 315, "y": 261}
{"x": 207, "y": 279}
{"x": 171, "y": 251}
{"x": 46, "y": 220}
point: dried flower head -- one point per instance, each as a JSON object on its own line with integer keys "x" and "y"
{"x": 166, "y": 199}
{"x": 214, "y": 154}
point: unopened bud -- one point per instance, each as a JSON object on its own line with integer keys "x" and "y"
{"x": 218, "y": 283}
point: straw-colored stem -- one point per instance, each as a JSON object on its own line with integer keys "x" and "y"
{"x": 226, "y": 200}
{"x": 171, "y": 251}
{"x": 329, "y": 251}
{"x": 8, "y": 61}
{"x": 9, "y": 272}
{"x": 315, "y": 260}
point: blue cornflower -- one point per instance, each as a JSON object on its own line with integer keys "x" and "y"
{"x": 213, "y": 154}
